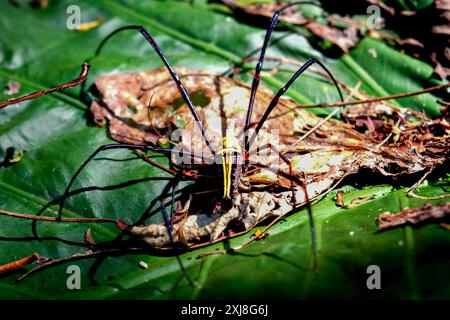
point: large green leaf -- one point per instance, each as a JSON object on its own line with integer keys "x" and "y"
{"x": 38, "y": 50}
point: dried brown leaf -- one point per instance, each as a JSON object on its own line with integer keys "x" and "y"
{"x": 344, "y": 39}
{"x": 88, "y": 238}
{"x": 266, "y": 10}
{"x": 323, "y": 158}
{"x": 413, "y": 216}
{"x": 440, "y": 70}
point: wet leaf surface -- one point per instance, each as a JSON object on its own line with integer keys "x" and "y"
{"x": 57, "y": 137}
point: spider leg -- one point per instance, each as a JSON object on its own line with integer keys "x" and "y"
{"x": 169, "y": 225}
{"x": 259, "y": 66}
{"x": 104, "y": 148}
{"x": 172, "y": 72}
{"x": 283, "y": 90}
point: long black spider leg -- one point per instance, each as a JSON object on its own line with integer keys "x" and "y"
{"x": 296, "y": 179}
{"x": 283, "y": 90}
{"x": 92, "y": 156}
{"x": 259, "y": 66}
{"x": 101, "y": 149}
{"x": 266, "y": 114}
{"x": 172, "y": 72}
{"x": 169, "y": 225}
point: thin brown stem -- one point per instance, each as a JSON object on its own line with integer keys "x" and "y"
{"x": 44, "y": 218}
{"x": 78, "y": 256}
{"x": 36, "y": 94}
{"x": 443, "y": 103}
{"x": 21, "y": 262}
{"x": 413, "y": 195}
{"x": 393, "y": 96}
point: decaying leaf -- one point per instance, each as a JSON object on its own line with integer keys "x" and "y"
{"x": 414, "y": 216}
{"x": 391, "y": 142}
{"x": 266, "y": 10}
{"x": 343, "y": 33}
{"x": 345, "y": 38}
{"x": 88, "y": 238}
{"x": 439, "y": 69}
{"x": 353, "y": 203}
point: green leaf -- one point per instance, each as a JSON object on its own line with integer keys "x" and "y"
{"x": 57, "y": 137}
{"x": 411, "y": 4}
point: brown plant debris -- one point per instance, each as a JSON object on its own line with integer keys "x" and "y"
{"x": 13, "y": 87}
{"x": 34, "y": 258}
{"x": 353, "y": 203}
{"x": 414, "y": 216}
{"x": 345, "y": 38}
{"x": 290, "y": 15}
{"x": 146, "y": 107}
{"x": 341, "y": 31}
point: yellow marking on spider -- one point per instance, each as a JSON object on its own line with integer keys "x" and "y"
{"x": 230, "y": 147}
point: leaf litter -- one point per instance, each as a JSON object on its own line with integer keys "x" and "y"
{"x": 377, "y": 137}
{"x": 346, "y": 31}
{"x": 415, "y": 216}
{"x": 343, "y": 32}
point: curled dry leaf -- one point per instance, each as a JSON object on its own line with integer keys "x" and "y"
{"x": 425, "y": 213}
{"x": 89, "y": 239}
{"x": 353, "y": 203}
{"x": 144, "y": 107}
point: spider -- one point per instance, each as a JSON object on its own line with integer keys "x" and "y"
{"x": 230, "y": 160}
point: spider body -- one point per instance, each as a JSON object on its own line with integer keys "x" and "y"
{"x": 230, "y": 158}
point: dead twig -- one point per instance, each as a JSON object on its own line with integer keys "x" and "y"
{"x": 55, "y": 219}
{"x": 36, "y": 94}
{"x": 22, "y": 262}
{"x": 390, "y": 97}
